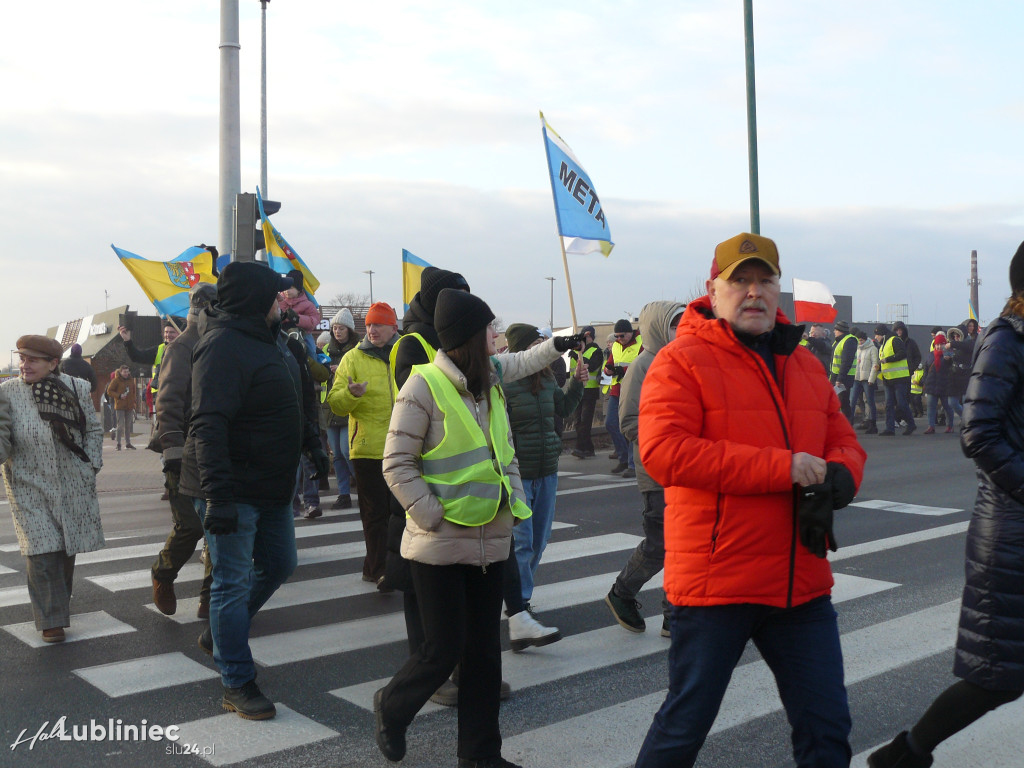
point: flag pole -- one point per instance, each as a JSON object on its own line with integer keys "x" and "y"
{"x": 568, "y": 284}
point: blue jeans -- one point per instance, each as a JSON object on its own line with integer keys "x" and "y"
{"x": 532, "y": 534}
{"x": 801, "y": 647}
{"x": 958, "y": 406}
{"x": 897, "y": 403}
{"x": 623, "y": 449}
{"x": 248, "y": 567}
{"x": 337, "y": 438}
{"x": 871, "y": 412}
{"x": 933, "y": 409}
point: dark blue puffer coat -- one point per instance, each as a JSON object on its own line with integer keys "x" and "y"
{"x": 990, "y": 640}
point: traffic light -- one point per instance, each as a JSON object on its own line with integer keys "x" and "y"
{"x": 248, "y": 226}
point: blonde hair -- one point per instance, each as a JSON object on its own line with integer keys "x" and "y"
{"x": 1014, "y": 305}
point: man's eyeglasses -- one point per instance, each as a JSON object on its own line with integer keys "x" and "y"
{"x": 621, "y": 335}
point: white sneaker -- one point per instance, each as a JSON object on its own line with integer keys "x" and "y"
{"x": 524, "y": 631}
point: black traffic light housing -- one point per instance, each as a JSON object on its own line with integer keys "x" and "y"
{"x": 248, "y": 226}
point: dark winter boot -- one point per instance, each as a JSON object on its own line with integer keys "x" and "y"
{"x": 872, "y": 429}
{"x": 897, "y": 754}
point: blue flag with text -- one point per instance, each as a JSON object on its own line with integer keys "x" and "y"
{"x": 581, "y": 221}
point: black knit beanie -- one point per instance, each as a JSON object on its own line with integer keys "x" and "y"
{"x": 520, "y": 336}
{"x": 623, "y": 326}
{"x": 433, "y": 281}
{"x": 297, "y": 279}
{"x": 1017, "y": 270}
{"x": 458, "y": 316}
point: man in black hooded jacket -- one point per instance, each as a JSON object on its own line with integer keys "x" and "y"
{"x": 245, "y": 437}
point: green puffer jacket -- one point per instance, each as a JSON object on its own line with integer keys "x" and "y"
{"x": 532, "y": 418}
{"x": 370, "y": 414}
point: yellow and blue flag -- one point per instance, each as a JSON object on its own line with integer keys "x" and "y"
{"x": 167, "y": 283}
{"x": 970, "y": 311}
{"x": 412, "y": 272}
{"x": 281, "y": 257}
{"x": 581, "y": 221}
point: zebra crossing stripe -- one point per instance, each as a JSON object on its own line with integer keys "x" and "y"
{"x": 4, "y": 569}
{"x": 591, "y": 488}
{"x": 288, "y": 594}
{"x": 909, "y": 509}
{"x": 84, "y": 626}
{"x": 894, "y": 542}
{"x": 153, "y": 549}
{"x": 13, "y": 596}
{"x": 752, "y": 693}
{"x": 234, "y": 740}
{"x": 118, "y": 582}
{"x": 124, "y": 678}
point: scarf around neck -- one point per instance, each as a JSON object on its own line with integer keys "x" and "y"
{"x": 58, "y": 405}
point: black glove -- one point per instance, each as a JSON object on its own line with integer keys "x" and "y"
{"x": 843, "y": 487}
{"x": 289, "y": 318}
{"x": 565, "y": 343}
{"x": 320, "y": 463}
{"x": 814, "y": 517}
{"x": 221, "y": 517}
{"x": 172, "y": 465}
{"x": 172, "y": 474}
{"x": 619, "y": 371}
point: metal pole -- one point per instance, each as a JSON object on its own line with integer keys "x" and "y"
{"x": 370, "y": 273}
{"x": 551, "y": 317}
{"x": 748, "y": 36}
{"x": 230, "y": 179}
{"x": 264, "y": 189}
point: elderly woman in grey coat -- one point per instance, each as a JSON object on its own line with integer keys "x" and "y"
{"x": 51, "y": 446}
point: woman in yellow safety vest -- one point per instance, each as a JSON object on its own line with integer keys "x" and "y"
{"x": 449, "y": 461}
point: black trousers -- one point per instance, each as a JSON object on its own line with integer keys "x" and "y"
{"x": 585, "y": 422}
{"x": 374, "y": 509}
{"x": 460, "y": 606}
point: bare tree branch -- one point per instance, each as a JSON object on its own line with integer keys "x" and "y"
{"x": 350, "y": 299}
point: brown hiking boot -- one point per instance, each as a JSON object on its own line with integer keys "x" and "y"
{"x": 163, "y": 597}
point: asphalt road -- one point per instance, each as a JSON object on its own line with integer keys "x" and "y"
{"x": 328, "y": 640}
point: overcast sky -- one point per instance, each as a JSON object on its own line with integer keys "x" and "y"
{"x": 889, "y": 144}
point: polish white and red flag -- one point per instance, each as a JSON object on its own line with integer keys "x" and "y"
{"x": 813, "y": 302}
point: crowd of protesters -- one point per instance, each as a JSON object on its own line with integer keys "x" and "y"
{"x": 453, "y": 450}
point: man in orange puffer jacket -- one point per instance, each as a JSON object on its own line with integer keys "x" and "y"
{"x": 746, "y": 436}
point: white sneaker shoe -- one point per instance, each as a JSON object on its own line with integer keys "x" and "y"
{"x": 524, "y": 631}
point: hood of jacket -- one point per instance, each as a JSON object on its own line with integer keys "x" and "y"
{"x": 655, "y": 323}
{"x": 247, "y": 288}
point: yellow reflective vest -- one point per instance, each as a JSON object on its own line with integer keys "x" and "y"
{"x": 837, "y": 356}
{"x": 462, "y": 471}
{"x": 896, "y": 369}
{"x": 916, "y": 381}
{"x": 155, "y": 382}
{"x": 593, "y": 377}
{"x": 624, "y": 356}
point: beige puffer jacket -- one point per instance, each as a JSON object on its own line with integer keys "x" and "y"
{"x": 417, "y": 426}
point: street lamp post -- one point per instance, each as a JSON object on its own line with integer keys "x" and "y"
{"x": 370, "y": 273}
{"x": 551, "y": 317}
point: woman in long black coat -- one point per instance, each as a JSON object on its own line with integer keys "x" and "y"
{"x": 990, "y": 638}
